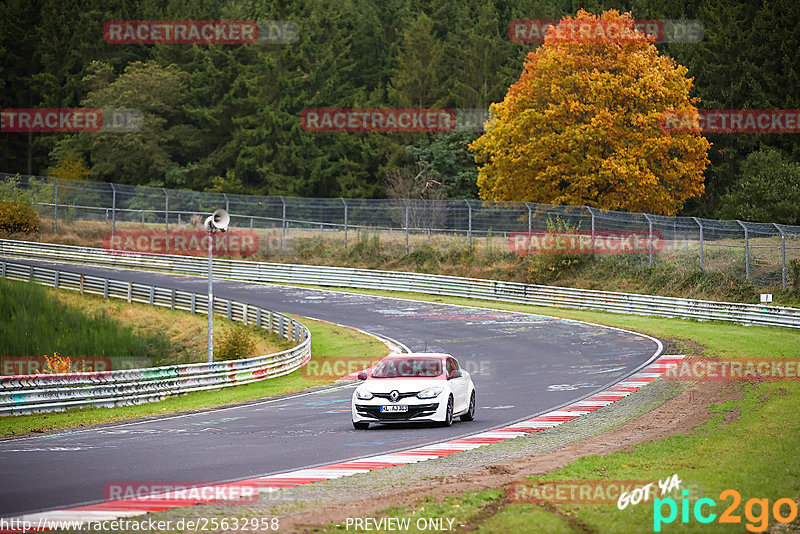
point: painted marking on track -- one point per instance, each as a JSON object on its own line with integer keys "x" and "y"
{"x": 327, "y": 402}
{"x": 216, "y": 421}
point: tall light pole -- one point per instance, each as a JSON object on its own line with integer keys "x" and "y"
{"x": 216, "y": 222}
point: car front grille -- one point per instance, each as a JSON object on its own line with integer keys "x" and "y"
{"x": 420, "y": 410}
{"x": 400, "y": 397}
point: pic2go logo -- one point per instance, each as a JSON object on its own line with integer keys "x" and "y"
{"x": 758, "y": 522}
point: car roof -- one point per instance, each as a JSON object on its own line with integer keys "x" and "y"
{"x": 405, "y": 355}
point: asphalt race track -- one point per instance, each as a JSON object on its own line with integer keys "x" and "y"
{"x": 521, "y": 365}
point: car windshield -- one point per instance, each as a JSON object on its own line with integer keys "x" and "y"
{"x": 408, "y": 367}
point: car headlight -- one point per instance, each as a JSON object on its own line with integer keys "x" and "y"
{"x": 429, "y": 393}
{"x": 363, "y": 394}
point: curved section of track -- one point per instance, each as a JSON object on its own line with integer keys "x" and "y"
{"x": 522, "y": 365}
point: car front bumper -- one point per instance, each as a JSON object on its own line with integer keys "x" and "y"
{"x": 419, "y": 410}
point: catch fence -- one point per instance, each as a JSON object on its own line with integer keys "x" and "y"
{"x": 766, "y": 254}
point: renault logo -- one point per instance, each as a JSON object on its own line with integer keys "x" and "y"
{"x": 394, "y": 395}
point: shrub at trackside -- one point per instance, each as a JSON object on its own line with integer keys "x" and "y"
{"x": 17, "y": 214}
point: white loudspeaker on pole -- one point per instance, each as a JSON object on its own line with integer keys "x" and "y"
{"x": 216, "y": 222}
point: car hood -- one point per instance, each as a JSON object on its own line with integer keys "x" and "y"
{"x": 402, "y": 385}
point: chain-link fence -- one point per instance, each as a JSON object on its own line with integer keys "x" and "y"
{"x": 763, "y": 253}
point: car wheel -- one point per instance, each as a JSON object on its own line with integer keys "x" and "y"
{"x": 470, "y": 415}
{"x": 448, "y": 415}
{"x": 359, "y": 425}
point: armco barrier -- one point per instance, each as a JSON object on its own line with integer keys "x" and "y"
{"x": 538, "y": 295}
{"x": 22, "y": 394}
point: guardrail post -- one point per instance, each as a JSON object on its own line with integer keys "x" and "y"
{"x": 81, "y": 284}
{"x": 406, "y": 206}
{"x": 469, "y": 228}
{"x": 258, "y": 317}
{"x": 55, "y": 280}
{"x": 746, "y": 251}
{"x": 783, "y": 255}
{"x": 193, "y": 303}
{"x": 229, "y": 311}
{"x": 172, "y": 300}
{"x": 113, "y": 210}
{"x": 700, "y": 224}
{"x": 280, "y": 326}
{"x": 244, "y": 313}
{"x": 55, "y": 206}
{"x": 4, "y": 268}
{"x": 283, "y": 223}
{"x": 152, "y": 295}
{"x": 30, "y": 273}
{"x": 345, "y": 223}
{"x": 166, "y": 209}
{"x": 105, "y": 288}
{"x": 130, "y": 290}
{"x": 591, "y": 212}
{"x": 227, "y": 235}
{"x": 649, "y": 238}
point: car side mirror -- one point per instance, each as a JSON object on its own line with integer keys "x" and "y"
{"x": 454, "y": 374}
{"x": 362, "y": 375}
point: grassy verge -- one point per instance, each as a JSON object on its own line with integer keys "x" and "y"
{"x": 328, "y": 342}
{"x": 749, "y": 446}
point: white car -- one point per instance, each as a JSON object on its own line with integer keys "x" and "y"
{"x": 419, "y": 386}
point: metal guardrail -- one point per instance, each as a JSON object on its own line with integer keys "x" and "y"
{"x": 22, "y": 394}
{"x": 538, "y": 295}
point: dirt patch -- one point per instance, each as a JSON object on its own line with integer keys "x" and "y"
{"x": 677, "y": 416}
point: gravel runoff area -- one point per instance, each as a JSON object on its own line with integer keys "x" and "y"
{"x": 293, "y": 506}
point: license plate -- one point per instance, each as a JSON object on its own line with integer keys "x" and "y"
{"x": 394, "y": 408}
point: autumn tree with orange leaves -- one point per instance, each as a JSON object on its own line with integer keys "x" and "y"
{"x": 583, "y": 125}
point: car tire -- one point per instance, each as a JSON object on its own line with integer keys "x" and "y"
{"x": 360, "y": 425}
{"x": 470, "y": 415}
{"x": 448, "y": 414}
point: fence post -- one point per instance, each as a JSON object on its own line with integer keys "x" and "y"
{"x": 113, "y": 209}
{"x": 530, "y": 227}
{"x": 55, "y": 206}
{"x": 783, "y": 255}
{"x": 406, "y": 206}
{"x": 283, "y": 224}
{"x": 227, "y": 234}
{"x": 746, "y": 251}
{"x": 700, "y": 224}
{"x": 591, "y": 212}
{"x": 345, "y": 222}
{"x": 166, "y": 209}
{"x": 649, "y": 238}
{"x": 469, "y": 229}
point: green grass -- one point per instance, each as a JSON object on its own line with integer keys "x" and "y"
{"x": 34, "y": 322}
{"x": 754, "y": 453}
{"x": 328, "y": 341}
